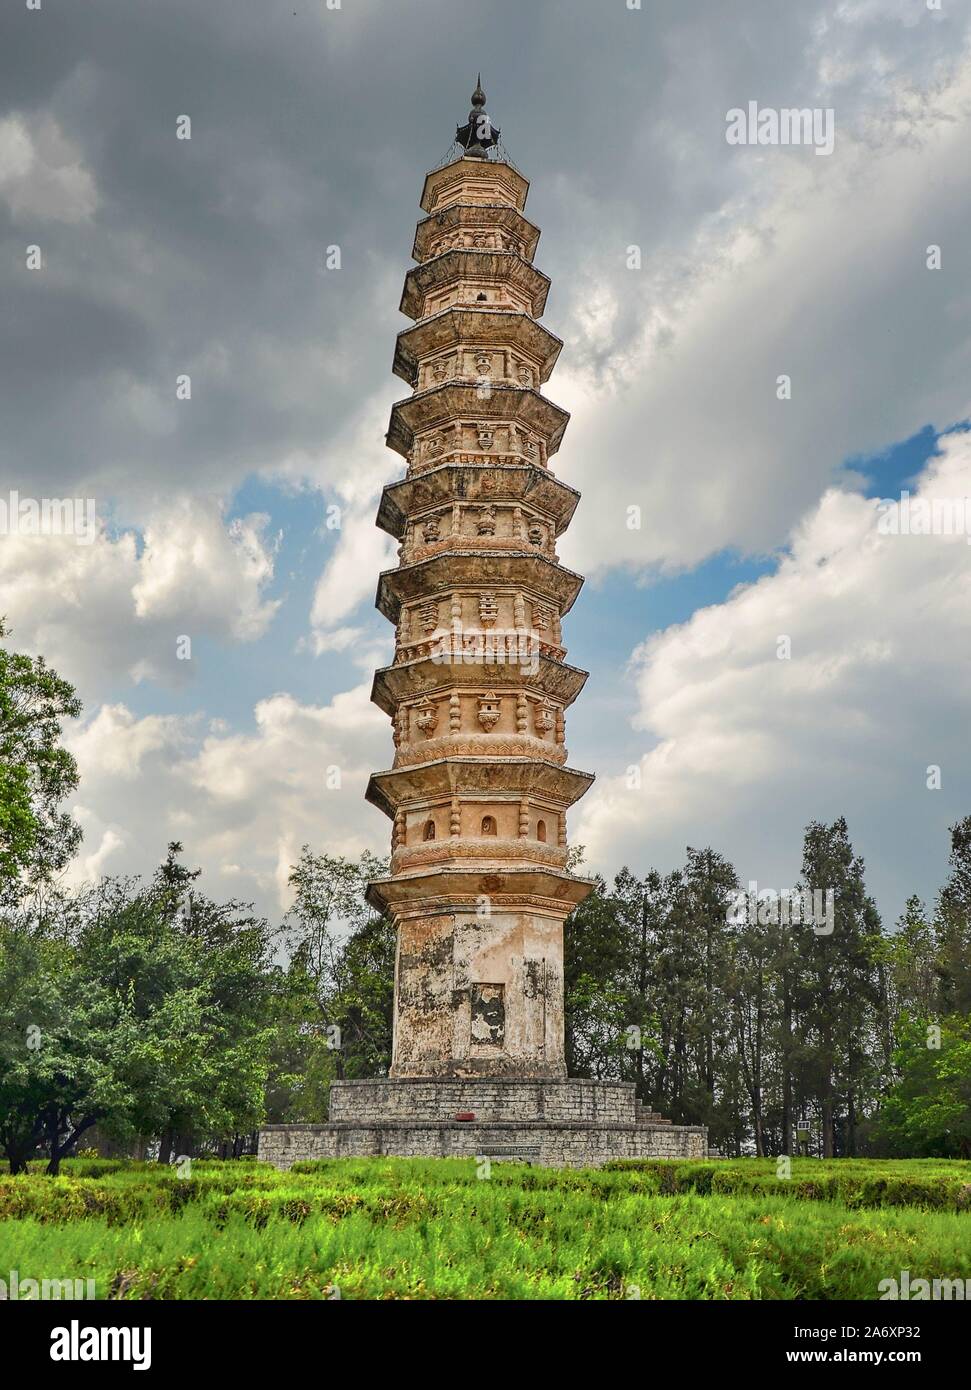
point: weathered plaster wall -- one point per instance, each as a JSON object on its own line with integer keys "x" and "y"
{"x": 479, "y": 995}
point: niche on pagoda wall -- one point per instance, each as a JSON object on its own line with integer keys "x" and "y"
{"x": 474, "y": 294}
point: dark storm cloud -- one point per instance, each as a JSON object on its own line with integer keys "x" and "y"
{"x": 310, "y": 127}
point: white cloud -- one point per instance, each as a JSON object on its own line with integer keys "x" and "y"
{"x": 117, "y": 744}
{"x": 242, "y": 803}
{"x": 91, "y": 865}
{"x": 198, "y": 571}
{"x": 110, "y": 610}
{"x": 819, "y": 273}
{"x": 350, "y": 575}
{"x": 744, "y": 748}
{"x": 42, "y": 174}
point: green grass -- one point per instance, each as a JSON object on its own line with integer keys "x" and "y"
{"x": 402, "y": 1228}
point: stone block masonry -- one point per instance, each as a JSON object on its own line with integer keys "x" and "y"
{"x": 576, "y": 1123}
{"x": 550, "y": 1145}
{"x": 489, "y": 1099}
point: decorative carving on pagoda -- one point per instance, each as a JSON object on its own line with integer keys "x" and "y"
{"x": 489, "y": 711}
{"x": 488, "y": 608}
{"x": 544, "y": 718}
{"x": 426, "y": 716}
{"x": 428, "y": 616}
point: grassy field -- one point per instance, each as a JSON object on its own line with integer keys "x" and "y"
{"x": 400, "y": 1228}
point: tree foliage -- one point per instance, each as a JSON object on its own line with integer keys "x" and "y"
{"x": 37, "y": 838}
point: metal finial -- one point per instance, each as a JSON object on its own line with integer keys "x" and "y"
{"x": 478, "y": 135}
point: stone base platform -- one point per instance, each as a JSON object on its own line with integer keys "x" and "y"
{"x": 556, "y": 1123}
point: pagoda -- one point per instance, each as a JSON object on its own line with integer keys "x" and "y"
{"x": 479, "y": 787}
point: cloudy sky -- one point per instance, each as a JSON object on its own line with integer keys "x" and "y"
{"x": 312, "y": 125}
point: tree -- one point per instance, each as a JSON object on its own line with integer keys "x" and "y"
{"x": 596, "y": 947}
{"x": 842, "y": 988}
{"x": 145, "y": 1019}
{"x": 36, "y": 773}
{"x": 928, "y": 1110}
{"x": 340, "y": 980}
{"x": 953, "y": 925}
{"x": 57, "y": 1048}
{"x": 227, "y": 953}
{"x": 748, "y": 987}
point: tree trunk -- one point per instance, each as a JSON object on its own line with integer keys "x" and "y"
{"x": 787, "y": 1124}
{"x": 827, "y": 1108}
{"x": 642, "y": 991}
{"x": 18, "y": 1157}
{"x": 53, "y": 1134}
{"x": 59, "y": 1150}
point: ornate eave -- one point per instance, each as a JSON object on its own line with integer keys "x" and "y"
{"x": 471, "y": 568}
{"x": 440, "y": 405}
{"x": 458, "y": 326}
{"x": 475, "y": 482}
{"x": 497, "y": 776}
{"x": 449, "y": 886}
{"x": 444, "y": 186}
{"x": 409, "y": 680}
{"x": 473, "y": 217}
{"x": 464, "y": 263}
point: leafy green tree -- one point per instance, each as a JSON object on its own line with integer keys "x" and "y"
{"x": 301, "y": 1062}
{"x": 56, "y": 1047}
{"x": 841, "y": 980}
{"x": 366, "y": 1007}
{"x": 36, "y": 774}
{"x": 597, "y": 1015}
{"x": 748, "y": 988}
{"x": 341, "y": 973}
{"x": 146, "y": 1019}
{"x": 640, "y": 906}
{"x": 953, "y": 926}
{"x": 928, "y": 1110}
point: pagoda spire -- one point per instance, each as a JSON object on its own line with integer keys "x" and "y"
{"x": 478, "y": 135}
